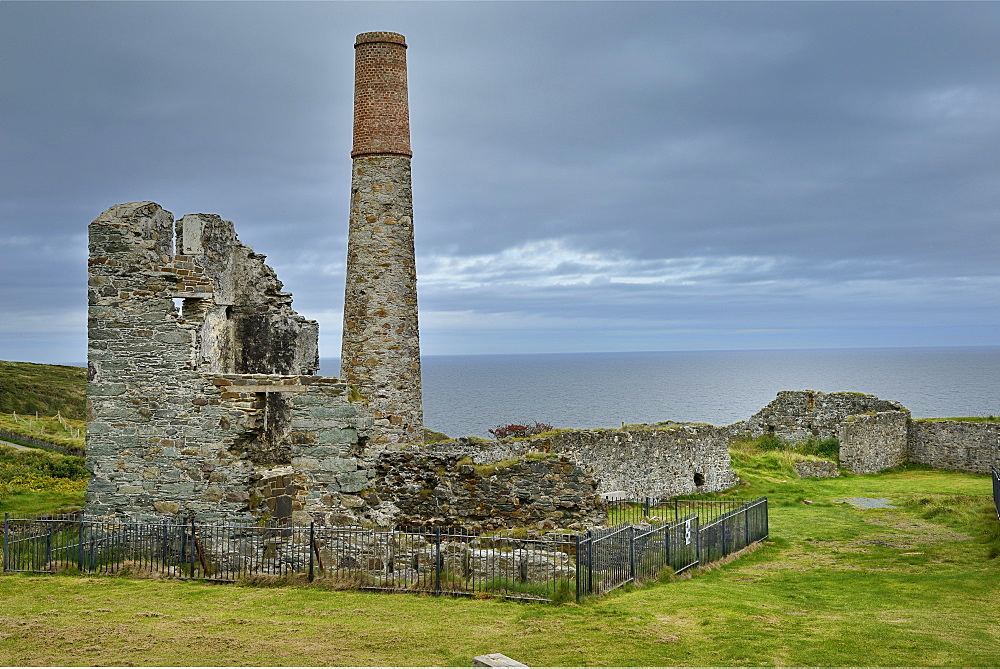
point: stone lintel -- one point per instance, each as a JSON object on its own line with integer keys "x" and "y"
{"x": 266, "y": 389}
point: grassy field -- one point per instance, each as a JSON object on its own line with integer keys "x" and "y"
{"x": 54, "y": 429}
{"x": 835, "y": 585}
{"x": 29, "y": 388}
{"x": 38, "y": 481}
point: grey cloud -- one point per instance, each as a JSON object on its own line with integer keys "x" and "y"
{"x": 852, "y": 144}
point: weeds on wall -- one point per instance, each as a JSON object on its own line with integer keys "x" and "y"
{"x": 519, "y": 431}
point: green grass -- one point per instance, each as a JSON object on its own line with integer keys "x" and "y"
{"x": 835, "y": 585}
{"x": 29, "y": 388}
{"x": 433, "y": 436}
{"x": 56, "y": 430}
{"x": 38, "y": 481}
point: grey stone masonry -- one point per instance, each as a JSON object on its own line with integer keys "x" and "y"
{"x": 799, "y": 415}
{"x": 874, "y": 441}
{"x": 190, "y": 412}
{"x": 654, "y": 460}
{"x": 381, "y": 344}
{"x": 540, "y": 491}
{"x": 816, "y": 469}
{"x": 966, "y": 446}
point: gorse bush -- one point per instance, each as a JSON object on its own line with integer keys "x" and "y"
{"x": 38, "y": 471}
{"x": 518, "y": 431}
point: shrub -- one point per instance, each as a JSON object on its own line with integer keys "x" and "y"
{"x": 517, "y": 431}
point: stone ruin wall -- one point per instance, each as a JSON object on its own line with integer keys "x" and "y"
{"x": 871, "y": 442}
{"x": 875, "y": 434}
{"x": 195, "y": 411}
{"x": 661, "y": 461}
{"x": 965, "y": 446}
{"x": 214, "y": 412}
{"x": 544, "y": 492}
{"x": 800, "y": 415}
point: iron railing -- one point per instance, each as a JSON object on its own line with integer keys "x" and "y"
{"x": 438, "y": 560}
{"x": 996, "y": 488}
{"x": 632, "y": 552}
{"x": 654, "y": 509}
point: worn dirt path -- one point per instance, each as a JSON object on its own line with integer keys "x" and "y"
{"x": 17, "y": 446}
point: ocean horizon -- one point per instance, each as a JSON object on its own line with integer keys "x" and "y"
{"x": 469, "y": 394}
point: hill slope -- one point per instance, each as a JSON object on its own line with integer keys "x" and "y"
{"x": 27, "y": 387}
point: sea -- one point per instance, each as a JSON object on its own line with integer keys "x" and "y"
{"x": 469, "y": 394}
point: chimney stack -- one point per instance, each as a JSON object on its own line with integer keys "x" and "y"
{"x": 381, "y": 343}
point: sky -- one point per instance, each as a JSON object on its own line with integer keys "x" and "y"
{"x": 587, "y": 176}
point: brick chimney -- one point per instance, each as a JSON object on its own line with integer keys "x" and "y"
{"x": 381, "y": 344}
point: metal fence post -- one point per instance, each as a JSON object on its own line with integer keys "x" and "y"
{"x": 578, "y": 581}
{"x": 79, "y": 546}
{"x": 746, "y": 526}
{"x": 631, "y": 552}
{"x": 312, "y": 539}
{"x": 697, "y": 540}
{"x": 590, "y": 562}
{"x": 666, "y": 543}
{"x": 437, "y": 561}
{"x": 6, "y": 541}
{"x": 191, "y": 548}
{"x": 48, "y": 544}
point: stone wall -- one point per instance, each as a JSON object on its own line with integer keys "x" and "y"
{"x": 670, "y": 460}
{"x": 191, "y": 411}
{"x": 543, "y": 491}
{"x": 214, "y": 412}
{"x": 800, "y": 415}
{"x": 816, "y": 469}
{"x": 874, "y": 441}
{"x": 965, "y": 446}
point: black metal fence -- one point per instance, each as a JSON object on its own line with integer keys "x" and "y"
{"x": 996, "y": 488}
{"x": 454, "y": 561}
{"x": 653, "y": 509}
{"x": 694, "y": 532}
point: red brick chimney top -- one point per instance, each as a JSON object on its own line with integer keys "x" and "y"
{"x": 381, "y": 106}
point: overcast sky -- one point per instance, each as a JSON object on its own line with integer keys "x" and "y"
{"x": 587, "y": 176}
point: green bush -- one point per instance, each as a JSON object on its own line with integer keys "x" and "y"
{"x": 15, "y": 463}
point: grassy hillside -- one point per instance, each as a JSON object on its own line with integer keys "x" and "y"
{"x": 58, "y": 430}
{"x": 27, "y": 388}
